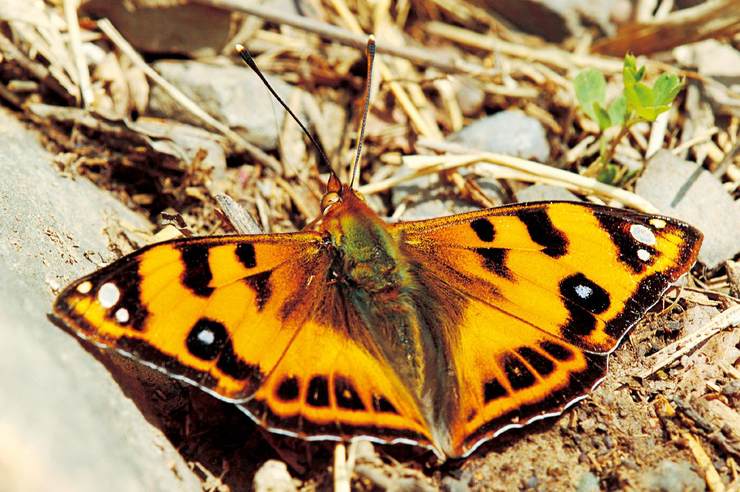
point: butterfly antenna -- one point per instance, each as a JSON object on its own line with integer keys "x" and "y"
{"x": 253, "y": 65}
{"x": 370, "y": 53}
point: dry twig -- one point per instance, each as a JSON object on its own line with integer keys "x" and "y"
{"x": 674, "y": 351}
{"x": 70, "y": 11}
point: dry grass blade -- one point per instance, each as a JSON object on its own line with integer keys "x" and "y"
{"x": 547, "y": 55}
{"x": 674, "y": 351}
{"x": 37, "y": 70}
{"x": 342, "y": 472}
{"x": 705, "y": 463}
{"x": 421, "y": 56}
{"x": 241, "y": 220}
{"x": 83, "y": 74}
{"x": 572, "y": 181}
{"x": 422, "y": 126}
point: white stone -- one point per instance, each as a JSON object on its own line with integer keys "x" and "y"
{"x": 273, "y": 476}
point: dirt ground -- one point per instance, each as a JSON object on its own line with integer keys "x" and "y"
{"x": 631, "y": 434}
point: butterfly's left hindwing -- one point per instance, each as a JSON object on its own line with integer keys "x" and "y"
{"x": 546, "y": 291}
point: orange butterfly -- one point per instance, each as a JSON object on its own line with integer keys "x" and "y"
{"x": 441, "y": 333}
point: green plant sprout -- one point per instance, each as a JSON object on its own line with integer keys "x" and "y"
{"x": 637, "y": 102}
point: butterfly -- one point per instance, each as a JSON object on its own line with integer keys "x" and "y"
{"x": 441, "y": 333}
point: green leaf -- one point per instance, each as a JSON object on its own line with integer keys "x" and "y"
{"x": 608, "y": 174}
{"x": 646, "y": 102}
{"x": 629, "y": 71}
{"x": 643, "y": 96}
{"x": 666, "y": 88}
{"x": 618, "y": 110}
{"x": 590, "y": 87}
{"x": 602, "y": 117}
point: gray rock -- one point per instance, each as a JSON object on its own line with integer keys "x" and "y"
{"x": 183, "y": 141}
{"x": 470, "y": 96}
{"x": 192, "y": 29}
{"x": 233, "y": 95}
{"x": 426, "y": 209}
{"x": 507, "y": 132}
{"x": 588, "y": 483}
{"x": 273, "y": 476}
{"x": 541, "y": 192}
{"x": 413, "y": 188}
{"x": 452, "y": 484}
{"x": 554, "y": 20}
{"x": 427, "y": 198}
{"x": 680, "y": 189}
{"x": 65, "y": 424}
{"x": 492, "y": 189}
{"x": 670, "y": 476}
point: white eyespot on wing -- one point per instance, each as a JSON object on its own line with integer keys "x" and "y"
{"x": 643, "y": 254}
{"x": 583, "y": 291}
{"x": 85, "y": 287}
{"x": 108, "y": 295}
{"x": 658, "y": 223}
{"x": 206, "y": 336}
{"x": 122, "y": 316}
{"x": 643, "y": 234}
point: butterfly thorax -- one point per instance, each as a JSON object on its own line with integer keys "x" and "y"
{"x": 374, "y": 277}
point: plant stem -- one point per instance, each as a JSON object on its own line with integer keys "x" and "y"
{"x": 606, "y": 157}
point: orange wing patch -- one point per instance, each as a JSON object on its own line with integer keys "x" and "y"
{"x": 214, "y": 311}
{"x": 511, "y": 373}
{"x": 580, "y": 272}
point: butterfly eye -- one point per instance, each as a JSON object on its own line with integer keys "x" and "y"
{"x": 330, "y": 199}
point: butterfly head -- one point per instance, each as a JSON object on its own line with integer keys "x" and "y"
{"x": 341, "y": 199}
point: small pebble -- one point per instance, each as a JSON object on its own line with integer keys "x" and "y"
{"x": 732, "y": 388}
{"x": 531, "y": 482}
{"x": 452, "y": 484}
{"x": 588, "y": 483}
{"x": 273, "y": 476}
{"x": 507, "y": 132}
{"x": 670, "y": 476}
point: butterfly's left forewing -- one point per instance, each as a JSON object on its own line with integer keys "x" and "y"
{"x": 547, "y": 290}
{"x": 218, "y": 312}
